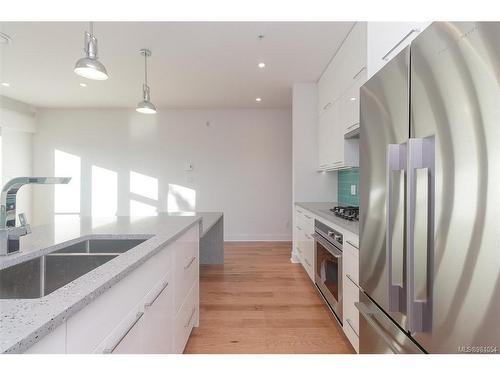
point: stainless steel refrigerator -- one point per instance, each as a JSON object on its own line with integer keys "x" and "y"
{"x": 430, "y": 195}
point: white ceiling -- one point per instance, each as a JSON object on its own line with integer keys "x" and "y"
{"x": 194, "y": 64}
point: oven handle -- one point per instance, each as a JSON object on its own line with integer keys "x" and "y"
{"x": 331, "y": 248}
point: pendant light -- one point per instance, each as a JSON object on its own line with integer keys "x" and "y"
{"x": 88, "y": 66}
{"x": 145, "y": 106}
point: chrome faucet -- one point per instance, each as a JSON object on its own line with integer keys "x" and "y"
{"x": 9, "y": 233}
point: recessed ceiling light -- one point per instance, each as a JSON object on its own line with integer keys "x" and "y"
{"x": 261, "y": 65}
{"x": 5, "y": 84}
{"x": 83, "y": 84}
{"x": 352, "y": 99}
{"x": 258, "y": 99}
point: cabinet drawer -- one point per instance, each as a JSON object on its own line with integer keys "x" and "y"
{"x": 152, "y": 332}
{"x": 308, "y": 222}
{"x": 351, "y": 239}
{"x": 158, "y": 323}
{"x": 351, "y": 296}
{"x": 352, "y": 337}
{"x": 351, "y": 262}
{"x": 89, "y": 328}
{"x": 186, "y": 262}
{"x": 186, "y": 319}
{"x": 351, "y": 314}
{"x": 132, "y": 342}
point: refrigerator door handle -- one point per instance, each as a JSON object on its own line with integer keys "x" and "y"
{"x": 395, "y": 162}
{"x": 420, "y": 232}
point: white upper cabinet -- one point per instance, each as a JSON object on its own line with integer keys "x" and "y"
{"x": 338, "y": 100}
{"x": 345, "y": 67}
{"x": 350, "y": 103}
{"x": 386, "y": 39}
{"x": 328, "y": 150}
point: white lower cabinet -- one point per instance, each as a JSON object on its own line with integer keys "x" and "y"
{"x": 152, "y": 330}
{"x": 186, "y": 319}
{"x": 151, "y": 310}
{"x": 99, "y": 326}
{"x": 350, "y": 280}
{"x": 304, "y": 242}
{"x": 302, "y": 235}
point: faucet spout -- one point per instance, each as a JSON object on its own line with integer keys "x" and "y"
{"x": 9, "y": 193}
{"x": 9, "y": 234}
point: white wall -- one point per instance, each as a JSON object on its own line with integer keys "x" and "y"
{"x": 17, "y": 124}
{"x": 308, "y": 184}
{"x": 242, "y": 163}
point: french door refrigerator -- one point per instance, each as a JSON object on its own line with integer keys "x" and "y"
{"x": 430, "y": 195}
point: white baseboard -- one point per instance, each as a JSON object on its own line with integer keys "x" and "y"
{"x": 258, "y": 237}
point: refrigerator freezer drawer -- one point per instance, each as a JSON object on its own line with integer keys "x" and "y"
{"x": 378, "y": 334}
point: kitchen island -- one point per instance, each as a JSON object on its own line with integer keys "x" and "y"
{"x": 107, "y": 309}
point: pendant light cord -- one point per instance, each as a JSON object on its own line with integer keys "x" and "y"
{"x": 146, "y": 68}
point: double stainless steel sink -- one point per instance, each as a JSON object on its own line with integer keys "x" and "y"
{"x": 41, "y": 276}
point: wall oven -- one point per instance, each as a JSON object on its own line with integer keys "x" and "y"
{"x": 328, "y": 271}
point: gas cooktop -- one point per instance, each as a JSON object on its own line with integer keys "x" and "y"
{"x": 346, "y": 212}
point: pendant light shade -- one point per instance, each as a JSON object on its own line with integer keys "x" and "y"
{"x": 89, "y": 66}
{"x": 145, "y": 106}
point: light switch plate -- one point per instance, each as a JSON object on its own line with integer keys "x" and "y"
{"x": 353, "y": 189}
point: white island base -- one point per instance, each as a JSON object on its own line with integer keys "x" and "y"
{"x": 151, "y": 310}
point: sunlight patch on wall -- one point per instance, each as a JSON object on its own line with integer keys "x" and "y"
{"x": 67, "y": 197}
{"x": 142, "y": 209}
{"x": 104, "y": 192}
{"x": 145, "y": 186}
{"x": 181, "y": 199}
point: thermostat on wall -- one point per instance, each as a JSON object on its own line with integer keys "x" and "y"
{"x": 189, "y": 166}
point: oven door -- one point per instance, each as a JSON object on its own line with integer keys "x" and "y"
{"x": 328, "y": 273}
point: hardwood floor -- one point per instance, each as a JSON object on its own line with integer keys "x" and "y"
{"x": 260, "y": 302}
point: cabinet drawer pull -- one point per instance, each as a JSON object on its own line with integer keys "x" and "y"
{"x": 385, "y": 58}
{"x": 358, "y": 73}
{"x": 190, "y": 262}
{"x": 354, "y": 282}
{"x": 308, "y": 237}
{"x": 150, "y": 303}
{"x": 353, "y": 125}
{"x": 309, "y": 264}
{"x": 300, "y": 251}
{"x": 190, "y": 318}
{"x": 309, "y": 217}
{"x": 352, "y": 327}
{"x": 350, "y": 243}
{"x": 299, "y": 228}
{"x": 327, "y": 105}
{"x": 122, "y": 336}
{"x": 299, "y": 211}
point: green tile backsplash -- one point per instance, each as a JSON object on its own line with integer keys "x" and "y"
{"x": 346, "y": 178}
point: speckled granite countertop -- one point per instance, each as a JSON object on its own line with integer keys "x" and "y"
{"x": 322, "y": 209}
{"x": 24, "y": 321}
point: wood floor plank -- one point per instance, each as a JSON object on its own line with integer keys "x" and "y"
{"x": 260, "y": 302}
